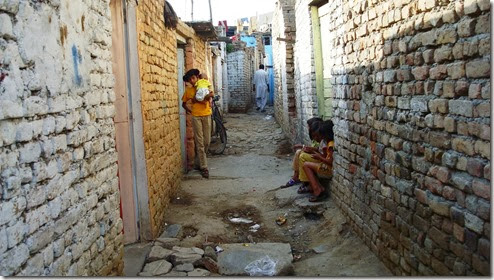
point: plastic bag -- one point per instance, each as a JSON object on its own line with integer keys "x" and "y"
{"x": 261, "y": 267}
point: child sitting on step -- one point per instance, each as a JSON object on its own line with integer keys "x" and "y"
{"x": 313, "y": 127}
{"x": 325, "y": 165}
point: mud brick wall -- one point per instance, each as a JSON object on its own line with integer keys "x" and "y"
{"x": 199, "y": 54}
{"x": 412, "y": 113}
{"x": 240, "y": 75}
{"x": 157, "y": 50}
{"x": 59, "y": 204}
{"x": 283, "y": 27}
{"x": 305, "y": 72}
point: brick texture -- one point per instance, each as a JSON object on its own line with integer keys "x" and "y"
{"x": 59, "y": 205}
{"x": 410, "y": 87}
{"x": 240, "y": 74}
{"x": 157, "y": 50}
{"x": 284, "y": 88}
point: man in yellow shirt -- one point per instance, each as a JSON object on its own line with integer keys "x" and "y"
{"x": 201, "y": 118}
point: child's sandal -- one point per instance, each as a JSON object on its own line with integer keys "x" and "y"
{"x": 205, "y": 173}
{"x": 318, "y": 198}
{"x": 290, "y": 183}
{"x": 303, "y": 189}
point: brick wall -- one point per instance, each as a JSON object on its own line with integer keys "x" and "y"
{"x": 59, "y": 205}
{"x": 240, "y": 74}
{"x": 196, "y": 54}
{"x": 283, "y": 27}
{"x": 305, "y": 76}
{"x": 411, "y": 93}
{"x": 157, "y": 49}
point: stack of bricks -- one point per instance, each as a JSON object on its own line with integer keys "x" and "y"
{"x": 240, "y": 74}
{"x": 411, "y": 86}
{"x": 305, "y": 72}
{"x": 157, "y": 51}
{"x": 59, "y": 205}
{"x": 284, "y": 90}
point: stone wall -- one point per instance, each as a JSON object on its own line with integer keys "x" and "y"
{"x": 283, "y": 28}
{"x": 411, "y": 91}
{"x": 305, "y": 76}
{"x": 157, "y": 47}
{"x": 59, "y": 206}
{"x": 240, "y": 75}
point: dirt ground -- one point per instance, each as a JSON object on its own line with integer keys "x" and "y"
{"x": 243, "y": 184}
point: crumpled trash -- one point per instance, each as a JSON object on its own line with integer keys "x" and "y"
{"x": 264, "y": 266}
{"x": 240, "y": 220}
{"x": 254, "y": 228}
{"x": 268, "y": 117}
{"x": 218, "y": 249}
{"x": 281, "y": 220}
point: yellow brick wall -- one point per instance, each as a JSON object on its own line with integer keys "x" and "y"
{"x": 157, "y": 49}
{"x": 200, "y": 54}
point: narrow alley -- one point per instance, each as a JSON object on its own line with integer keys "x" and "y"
{"x": 245, "y": 183}
{"x": 107, "y": 108}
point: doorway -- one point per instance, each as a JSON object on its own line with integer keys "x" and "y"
{"x": 320, "y": 26}
{"x": 183, "y": 115}
{"x": 123, "y": 126}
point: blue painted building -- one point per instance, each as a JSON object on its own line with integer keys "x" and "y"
{"x": 268, "y": 49}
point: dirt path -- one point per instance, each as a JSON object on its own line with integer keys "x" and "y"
{"x": 245, "y": 183}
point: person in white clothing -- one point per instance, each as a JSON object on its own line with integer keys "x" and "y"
{"x": 261, "y": 87}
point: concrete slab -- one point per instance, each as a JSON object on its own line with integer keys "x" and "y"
{"x": 236, "y": 256}
{"x": 134, "y": 258}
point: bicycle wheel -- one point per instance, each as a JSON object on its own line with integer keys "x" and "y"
{"x": 218, "y": 137}
{"x": 217, "y": 114}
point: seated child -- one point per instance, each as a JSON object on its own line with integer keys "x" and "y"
{"x": 324, "y": 167}
{"x": 203, "y": 87}
{"x": 310, "y": 154}
{"x": 313, "y": 126}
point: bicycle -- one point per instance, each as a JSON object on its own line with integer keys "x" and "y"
{"x": 218, "y": 131}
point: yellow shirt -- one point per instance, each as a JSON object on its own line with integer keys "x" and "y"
{"x": 329, "y": 153}
{"x": 198, "y": 109}
{"x": 203, "y": 83}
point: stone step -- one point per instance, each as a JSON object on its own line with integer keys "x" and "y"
{"x": 289, "y": 196}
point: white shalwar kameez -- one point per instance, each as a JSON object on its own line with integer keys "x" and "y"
{"x": 261, "y": 83}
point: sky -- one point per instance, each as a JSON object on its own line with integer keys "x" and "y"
{"x": 229, "y": 10}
